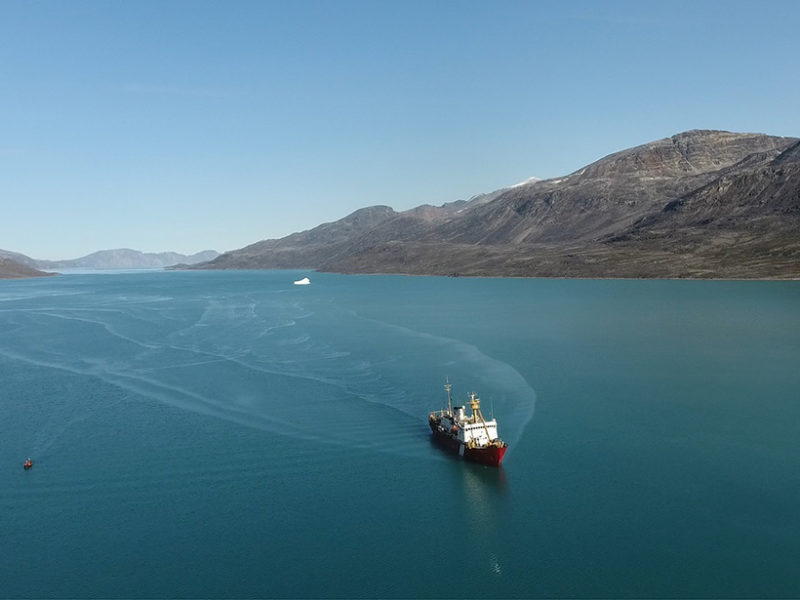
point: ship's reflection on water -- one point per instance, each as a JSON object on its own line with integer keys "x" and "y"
{"x": 485, "y": 495}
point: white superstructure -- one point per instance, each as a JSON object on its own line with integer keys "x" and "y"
{"x": 483, "y": 432}
{"x": 470, "y": 430}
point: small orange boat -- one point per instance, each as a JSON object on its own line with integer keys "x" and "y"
{"x": 28, "y": 464}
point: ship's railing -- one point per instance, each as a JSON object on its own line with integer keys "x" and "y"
{"x": 439, "y": 413}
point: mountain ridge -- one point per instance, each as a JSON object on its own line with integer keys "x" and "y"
{"x": 701, "y": 203}
{"x": 125, "y": 258}
{"x": 16, "y": 265}
{"x": 16, "y": 269}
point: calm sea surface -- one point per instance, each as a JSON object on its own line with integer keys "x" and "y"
{"x": 229, "y": 434}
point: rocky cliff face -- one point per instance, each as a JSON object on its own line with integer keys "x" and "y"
{"x": 698, "y": 204}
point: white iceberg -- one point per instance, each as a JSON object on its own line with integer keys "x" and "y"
{"x": 303, "y": 281}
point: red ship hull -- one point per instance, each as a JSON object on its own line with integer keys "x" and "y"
{"x": 489, "y": 455}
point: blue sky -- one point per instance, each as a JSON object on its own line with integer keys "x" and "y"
{"x": 181, "y": 126}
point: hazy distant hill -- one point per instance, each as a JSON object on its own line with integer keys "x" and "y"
{"x": 128, "y": 259}
{"x": 17, "y": 266}
{"x": 20, "y": 258}
{"x": 698, "y": 204}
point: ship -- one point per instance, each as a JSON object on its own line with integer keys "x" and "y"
{"x": 469, "y": 436}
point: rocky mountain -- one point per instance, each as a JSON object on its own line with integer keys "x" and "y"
{"x": 20, "y": 258}
{"x": 698, "y": 204}
{"x": 16, "y": 269}
{"x": 125, "y": 258}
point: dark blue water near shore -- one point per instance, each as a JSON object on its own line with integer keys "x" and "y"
{"x": 229, "y": 434}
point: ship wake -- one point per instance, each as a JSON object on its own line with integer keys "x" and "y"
{"x": 307, "y": 370}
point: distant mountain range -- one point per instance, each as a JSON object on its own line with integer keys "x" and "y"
{"x": 124, "y": 258}
{"x": 13, "y": 264}
{"x": 700, "y": 204}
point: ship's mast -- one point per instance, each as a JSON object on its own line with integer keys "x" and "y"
{"x": 475, "y": 405}
{"x": 447, "y": 386}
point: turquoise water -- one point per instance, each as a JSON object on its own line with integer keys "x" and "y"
{"x": 228, "y": 434}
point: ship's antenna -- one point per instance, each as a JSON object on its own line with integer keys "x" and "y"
{"x": 447, "y": 386}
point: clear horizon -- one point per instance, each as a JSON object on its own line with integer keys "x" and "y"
{"x": 187, "y": 126}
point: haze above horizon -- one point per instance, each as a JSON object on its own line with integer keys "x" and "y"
{"x": 181, "y": 126}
